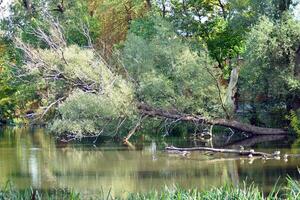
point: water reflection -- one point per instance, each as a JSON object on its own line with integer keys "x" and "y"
{"x": 29, "y": 157}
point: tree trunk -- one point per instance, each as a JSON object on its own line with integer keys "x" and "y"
{"x": 149, "y": 6}
{"x": 28, "y": 6}
{"x": 255, "y": 130}
{"x": 223, "y": 9}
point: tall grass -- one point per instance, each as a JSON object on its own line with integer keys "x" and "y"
{"x": 9, "y": 192}
{"x": 244, "y": 192}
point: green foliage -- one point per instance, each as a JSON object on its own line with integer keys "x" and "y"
{"x": 169, "y": 74}
{"x": 269, "y": 72}
{"x": 16, "y": 95}
{"x": 227, "y": 192}
{"x": 251, "y": 10}
{"x": 76, "y": 64}
{"x": 19, "y": 94}
{"x": 294, "y": 118}
{"x": 103, "y": 100}
{"x": 215, "y": 23}
{"x": 75, "y": 20}
{"x": 7, "y": 104}
{"x": 78, "y": 67}
{"x": 293, "y": 189}
{"x": 245, "y": 192}
{"x": 10, "y": 192}
{"x": 224, "y": 41}
{"x": 187, "y": 16}
{"x": 144, "y": 27}
{"x": 222, "y": 25}
{"x": 92, "y": 114}
{"x": 180, "y": 60}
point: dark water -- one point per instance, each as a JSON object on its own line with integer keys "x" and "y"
{"x": 29, "y": 157}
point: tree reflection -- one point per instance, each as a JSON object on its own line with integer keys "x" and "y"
{"x": 29, "y": 157}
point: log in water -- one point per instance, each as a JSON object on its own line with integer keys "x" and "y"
{"x": 241, "y": 152}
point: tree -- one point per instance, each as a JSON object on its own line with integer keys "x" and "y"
{"x": 90, "y": 96}
{"x": 173, "y": 80}
{"x": 77, "y": 23}
{"x": 26, "y": 93}
{"x": 270, "y": 77}
{"x": 209, "y": 22}
{"x": 7, "y": 104}
{"x": 178, "y": 74}
{"x": 168, "y": 73}
{"x": 222, "y": 25}
{"x": 17, "y": 96}
{"x": 115, "y": 17}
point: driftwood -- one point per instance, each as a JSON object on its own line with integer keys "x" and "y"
{"x": 255, "y": 130}
{"x": 241, "y": 152}
{"x": 182, "y": 153}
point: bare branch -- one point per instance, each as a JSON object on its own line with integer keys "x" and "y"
{"x": 52, "y": 104}
{"x": 135, "y": 128}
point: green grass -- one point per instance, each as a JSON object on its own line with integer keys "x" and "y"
{"x": 245, "y": 192}
{"x": 9, "y": 192}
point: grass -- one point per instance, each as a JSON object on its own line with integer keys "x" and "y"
{"x": 245, "y": 192}
{"x": 9, "y": 192}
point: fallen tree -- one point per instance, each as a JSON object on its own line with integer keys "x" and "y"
{"x": 95, "y": 100}
{"x": 255, "y": 130}
{"x": 240, "y": 152}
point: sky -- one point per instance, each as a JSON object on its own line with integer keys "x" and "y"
{"x": 297, "y": 11}
{"x": 4, "y": 8}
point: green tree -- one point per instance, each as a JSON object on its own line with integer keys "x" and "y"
{"x": 91, "y": 97}
{"x": 168, "y": 73}
{"x": 222, "y": 25}
{"x": 270, "y": 76}
{"x": 16, "y": 94}
{"x": 26, "y": 18}
{"x": 76, "y": 21}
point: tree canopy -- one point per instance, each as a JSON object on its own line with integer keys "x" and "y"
{"x": 102, "y": 67}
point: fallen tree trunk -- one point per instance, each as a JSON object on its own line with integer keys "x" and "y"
{"x": 255, "y": 130}
{"x": 234, "y": 151}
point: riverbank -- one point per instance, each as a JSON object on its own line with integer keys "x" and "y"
{"x": 243, "y": 192}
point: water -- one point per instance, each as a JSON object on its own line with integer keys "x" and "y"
{"x": 29, "y": 157}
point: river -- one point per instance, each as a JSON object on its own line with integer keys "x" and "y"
{"x": 29, "y": 157}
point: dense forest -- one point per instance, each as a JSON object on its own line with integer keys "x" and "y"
{"x": 86, "y": 68}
